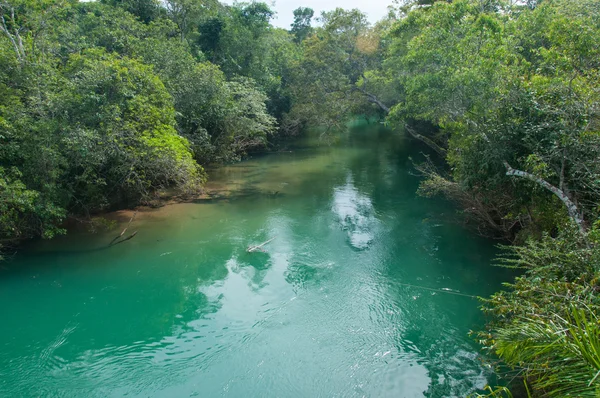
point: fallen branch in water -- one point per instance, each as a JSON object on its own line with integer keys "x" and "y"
{"x": 251, "y": 249}
{"x": 114, "y": 241}
{"x": 124, "y": 240}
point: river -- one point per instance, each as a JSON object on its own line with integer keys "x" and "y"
{"x": 365, "y": 290}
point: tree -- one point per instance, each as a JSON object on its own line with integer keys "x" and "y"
{"x": 11, "y": 29}
{"x": 24, "y": 213}
{"x": 301, "y": 27}
{"x": 209, "y": 37}
{"x": 512, "y": 92}
{"x": 145, "y": 10}
{"x": 106, "y": 104}
{"x": 187, "y": 13}
{"x": 243, "y": 49}
{"x": 26, "y": 25}
{"x": 248, "y": 122}
{"x": 121, "y": 132}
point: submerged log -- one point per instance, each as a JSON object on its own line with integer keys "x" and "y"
{"x": 124, "y": 240}
{"x": 114, "y": 241}
{"x": 251, "y": 248}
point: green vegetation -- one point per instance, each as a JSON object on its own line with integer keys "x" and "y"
{"x": 506, "y": 97}
{"x": 104, "y": 104}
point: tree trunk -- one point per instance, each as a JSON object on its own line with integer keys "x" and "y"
{"x": 572, "y": 209}
{"x": 427, "y": 141}
{"x": 375, "y": 100}
{"x": 20, "y": 52}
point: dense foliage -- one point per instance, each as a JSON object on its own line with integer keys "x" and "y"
{"x": 105, "y": 104}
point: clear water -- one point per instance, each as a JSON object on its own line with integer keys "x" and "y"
{"x": 328, "y": 311}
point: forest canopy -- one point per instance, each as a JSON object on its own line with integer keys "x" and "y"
{"x": 105, "y": 104}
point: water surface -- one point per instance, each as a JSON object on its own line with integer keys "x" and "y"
{"x": 330, "y": 310}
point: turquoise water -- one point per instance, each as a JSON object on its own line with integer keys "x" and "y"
{"x": 328, "y": 310}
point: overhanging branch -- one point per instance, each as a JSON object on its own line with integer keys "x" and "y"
{"x": 427, "y": 141}
{"x": 572, "y": 209}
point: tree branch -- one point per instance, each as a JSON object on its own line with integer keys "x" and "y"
{"x": 572, "y": 209}
{"x": 4, "y": 28}
{"x": 428, "y": 141}
{"x": 14, "y": 36}
{"x": 373, "y": 99}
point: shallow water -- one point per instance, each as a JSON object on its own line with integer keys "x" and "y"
{"x": 330, "y": 310}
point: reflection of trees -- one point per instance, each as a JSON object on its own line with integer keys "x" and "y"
{"x": 436, "y": 324}
{"x": 97, "y": 313}
{"x": 299, "y": 274}
{"x": 355, "y": 214}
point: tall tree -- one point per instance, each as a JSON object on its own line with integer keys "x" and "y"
{"x": 301, "y": 27}
{"x": 146, "y": 10}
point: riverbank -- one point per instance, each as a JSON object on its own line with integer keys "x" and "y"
{"x": 247, "y": 178}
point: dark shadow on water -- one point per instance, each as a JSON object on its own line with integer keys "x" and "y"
{"x": 259, "y": 260}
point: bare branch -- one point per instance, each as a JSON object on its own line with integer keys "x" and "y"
{"x": 112, "y": 242}
{"x": 428, "y": 141}
{"x": 4, "y": 28}
{"x": 572, "y": 209}
{"x": 14, "y": 36}
{"x": 374, "y": 100}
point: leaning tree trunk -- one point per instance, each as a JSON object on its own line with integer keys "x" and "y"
{"x": 572, "y": 209}
{"x": 427, "y": 141}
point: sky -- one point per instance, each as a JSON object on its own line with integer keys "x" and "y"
{"x": 375, "y": 9}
